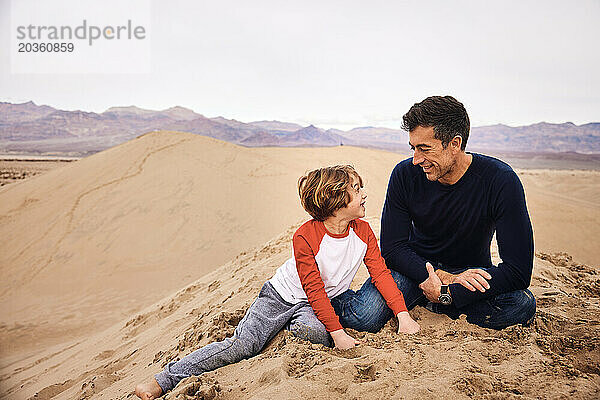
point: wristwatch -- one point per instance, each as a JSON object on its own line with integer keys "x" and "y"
{"x": 445, "y": 297}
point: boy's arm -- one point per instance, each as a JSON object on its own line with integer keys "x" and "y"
{"x": 313, "y": 285}
{"x": 381, "y": 275}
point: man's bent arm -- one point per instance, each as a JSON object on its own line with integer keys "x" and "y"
{"x": 395, "y": 228}
{"x": 515, "y": 243}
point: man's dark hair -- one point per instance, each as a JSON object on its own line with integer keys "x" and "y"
{"x": 445, "y": 114}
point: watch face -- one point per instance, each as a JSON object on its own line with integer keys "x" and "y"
{"x": 445, "y": 299}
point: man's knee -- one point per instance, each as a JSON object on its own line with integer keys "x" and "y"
{"x": 402, "y": 281}
{"x": 413, "y": 295}
{"x": 525, "y": 306}
{"x": 507, "y": 309}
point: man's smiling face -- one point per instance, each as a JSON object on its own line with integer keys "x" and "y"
{"x": 435, "y": 160}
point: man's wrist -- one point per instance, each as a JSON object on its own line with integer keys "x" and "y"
{"x": 434, "y": 294}
{"x": 438, "y": 292}
{"x": 446, "y": 277}
{"x": 445, "y": 297}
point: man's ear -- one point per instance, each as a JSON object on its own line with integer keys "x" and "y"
{"x": 456, "y": 142}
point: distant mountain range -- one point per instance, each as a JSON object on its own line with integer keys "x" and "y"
{"x": 28, "y": 127}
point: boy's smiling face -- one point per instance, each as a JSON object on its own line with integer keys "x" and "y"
{"x": 356, "y": 206}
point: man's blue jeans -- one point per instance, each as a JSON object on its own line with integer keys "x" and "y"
{"x": 366, "y": 310}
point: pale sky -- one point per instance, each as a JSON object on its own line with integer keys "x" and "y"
{"x": 346, "y": 63}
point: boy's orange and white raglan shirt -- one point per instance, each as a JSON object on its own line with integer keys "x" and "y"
{"x": 324, "y": 265}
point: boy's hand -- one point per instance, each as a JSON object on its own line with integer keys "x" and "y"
{"x": 342, "y": 340}
{"x": 406, "y": 324}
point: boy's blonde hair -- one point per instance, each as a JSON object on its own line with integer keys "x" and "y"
{"x": 323, "y": 191}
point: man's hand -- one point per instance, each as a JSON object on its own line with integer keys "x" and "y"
{"x": 446, "y": 277}
{"x": 431, "y": 286}
{"x": 406, "y": 324}
{"x": 342, "y": 340}
{"x": 472, "y": 279}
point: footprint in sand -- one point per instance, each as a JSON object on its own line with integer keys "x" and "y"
{"x": 365, "y": 373}
{"x": 195, "y": 387}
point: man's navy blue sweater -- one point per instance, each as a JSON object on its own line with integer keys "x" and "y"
{"x": 452, "y": 226}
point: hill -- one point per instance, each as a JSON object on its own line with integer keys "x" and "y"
{"x": 32, "y": 129}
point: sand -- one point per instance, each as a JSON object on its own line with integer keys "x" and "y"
{"x": 14, "y": 170}
{"x": 118, "y": 262}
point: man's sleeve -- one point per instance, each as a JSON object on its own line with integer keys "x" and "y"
{"x": 395, "y": 228}
{"x": 515, "y": 243}
{"x": 381, "y": 276}
{"x": 313, "y": 285}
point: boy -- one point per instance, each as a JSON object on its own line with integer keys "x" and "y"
{"x": 328, "y": 251}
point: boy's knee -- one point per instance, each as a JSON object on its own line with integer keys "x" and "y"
{"x": 372, "y": 314}
{"x": 314, "y": 334}
{"x": 243, "y": 347}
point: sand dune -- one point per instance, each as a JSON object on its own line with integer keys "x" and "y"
{"x": 89, "y": 248}
{"x": 100, "y": 238}
{"x": 556, "y": 357}
{"x": 565, "y": 210}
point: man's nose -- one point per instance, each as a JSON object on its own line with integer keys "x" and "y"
{"x": 417, "y": 159}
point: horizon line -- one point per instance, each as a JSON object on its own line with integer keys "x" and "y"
{"x": 297, "y": 122}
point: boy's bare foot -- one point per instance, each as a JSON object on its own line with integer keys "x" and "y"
{"x": 148, "y": 391}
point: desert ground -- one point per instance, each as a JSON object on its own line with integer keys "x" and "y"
{"x": 14, "y": 170}
{"x": 117, "y": 263}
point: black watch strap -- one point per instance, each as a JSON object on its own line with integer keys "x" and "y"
{"x": 445, "y": 296}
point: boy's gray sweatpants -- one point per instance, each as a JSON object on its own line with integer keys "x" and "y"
{"x": 264, "y": 319}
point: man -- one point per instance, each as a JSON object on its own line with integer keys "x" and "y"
{"x": 440, "y": 214}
